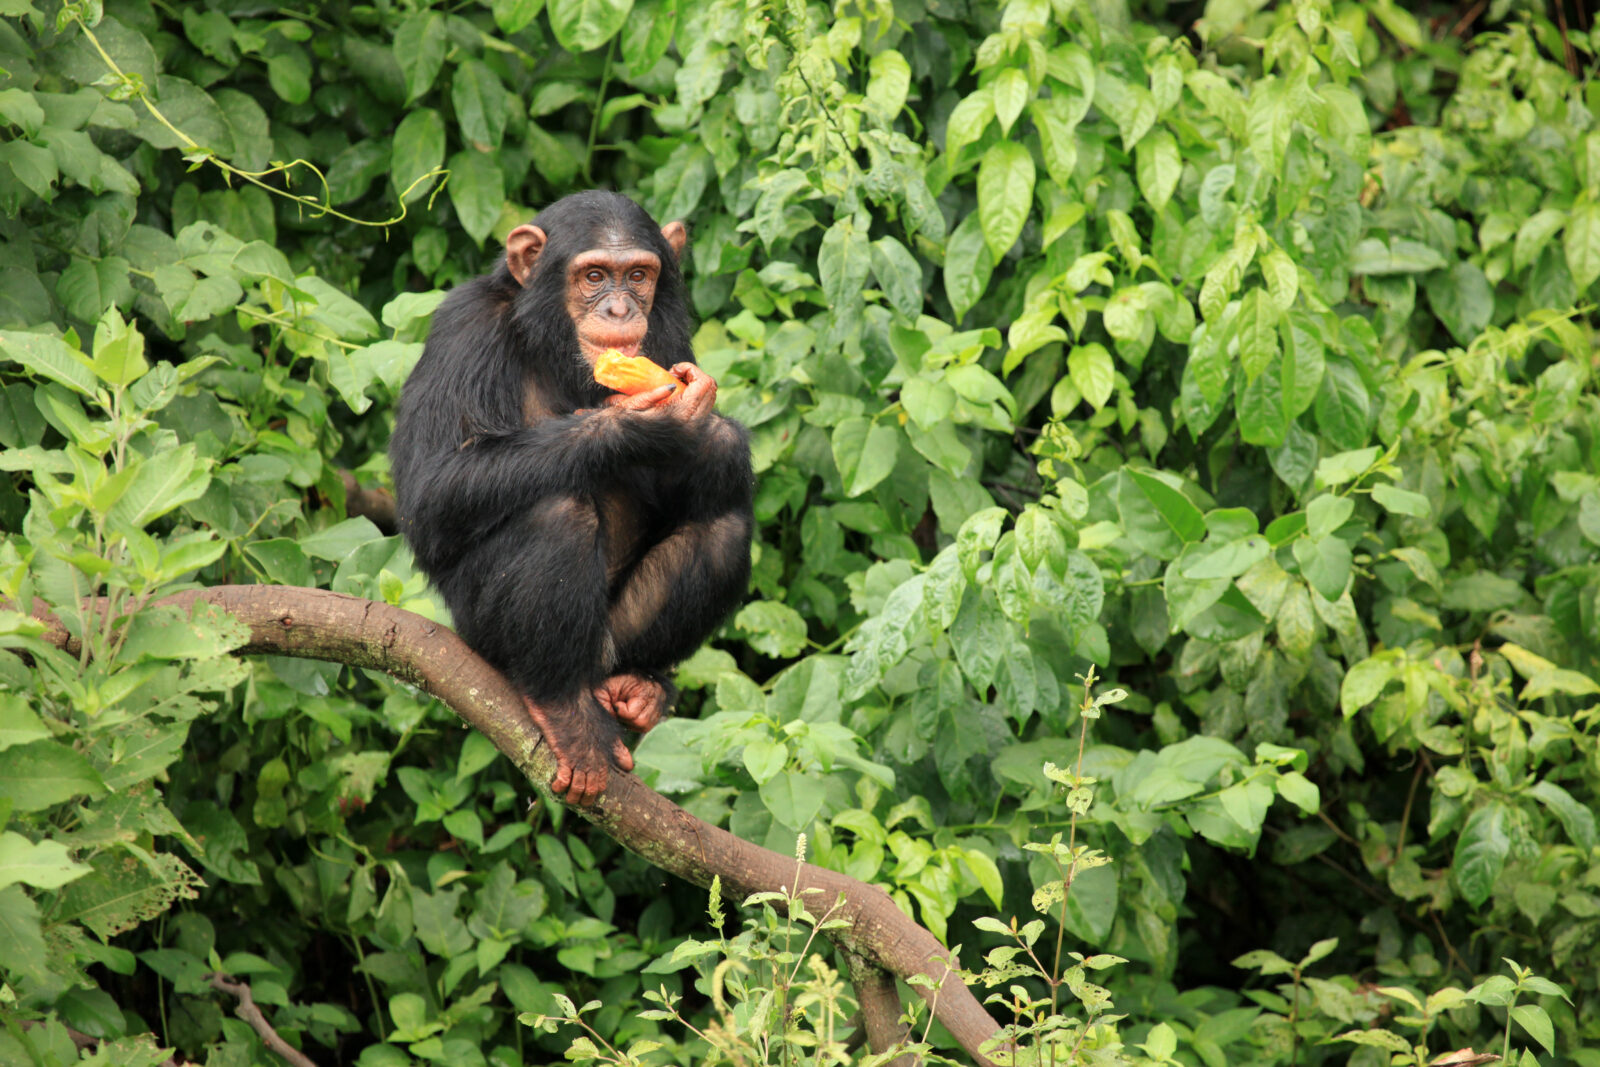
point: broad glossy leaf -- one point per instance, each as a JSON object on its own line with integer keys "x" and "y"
{"x": 582, "y": 25}
{"x": 477, "y": 190}
{"x": 1005, "y": 194}
{"x": 419, "y": 46}
{"x": 864, "y": 452}
{"x": 898, "y": 275}
{"x": 968, "y": 264}
{"x": 1582, "y": 245}
{"x": 418, "y": 149}
{"x": 1093, "y": 373}
{"x": 1011, "y": 91}
{"x": 1481, "y": 852}
{"x": 1159, "y": 167}
{"x": 480, "y": 104}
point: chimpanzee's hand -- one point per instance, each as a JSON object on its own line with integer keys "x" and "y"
{"x": 698, "y": 398}
{"x": 646, "y": 401}
{"x": 638, "y": 702}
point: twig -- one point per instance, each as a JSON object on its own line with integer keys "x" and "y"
{"x": 251, "y": 1014}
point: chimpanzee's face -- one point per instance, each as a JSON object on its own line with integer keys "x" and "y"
{"x": 608, "y": 288}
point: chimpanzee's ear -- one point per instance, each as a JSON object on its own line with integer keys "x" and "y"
{"x": 523, "y": 246}
{"x": 677, "y": 235}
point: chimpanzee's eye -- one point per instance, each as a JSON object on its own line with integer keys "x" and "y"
{"x": 595, "y": 276}
{"x": 636, "y": 275}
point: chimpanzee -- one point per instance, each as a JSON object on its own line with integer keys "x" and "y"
{"x": 584, "y": 541}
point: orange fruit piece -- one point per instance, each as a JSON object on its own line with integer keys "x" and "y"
{"x": 630, "y": 374}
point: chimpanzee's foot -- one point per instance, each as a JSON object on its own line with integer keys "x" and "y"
{"x": 638, "y": 701}
{"x": 582, "y": 764}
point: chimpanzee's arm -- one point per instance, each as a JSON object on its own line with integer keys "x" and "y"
{"x": 689, "y": 580}
{"x": 472, "y": 488}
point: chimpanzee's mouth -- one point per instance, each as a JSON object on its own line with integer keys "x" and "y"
{"x": 596, "y": 346}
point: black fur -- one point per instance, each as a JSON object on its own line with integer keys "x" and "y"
{"x": 508, "y": 516}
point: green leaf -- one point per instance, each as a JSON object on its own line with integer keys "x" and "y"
{"x": 1342, "y": 406}
{"x": 794, "y": 798}
{"x": 843, "y": 261}
{"x": 118, "y": 351}
{"x": 513, "y": 16}
{"x": 19, "y": 724}
{"x": 1481, "y": 851}
{"x": 419, "y": 46}
{"x": 1327, "y": 513}
{"x": 1175, "y": 510}
{"x": 42, "y": 774}
{"x": 1464, "y": 300}
{"x": 1578, "y": 820}
{"x": 1282, "y": 278}
{"x": 1345, "y": 467}
{"x": 477, "y": 190}
{"x": 42, "y": 864}
{"x": 898, "y": 275}
{"x": 19, "y": 108}
{"x": 582, "y": 25}
{"x": 88, "y": 287}
{"x": 1364, "y": 682}
{"x": 480, "y": 104}
{"x": 968, "y": 264}
{"x": 1159, "y": 167}
{"x": 1093, "y": 373}
{"x": 289, "y": 74}
{"x": 1582, "y": 245}
{"x": 1227, "y": 559}
{"x": 51, "y": 358}
{"x": 763, "y": 759}
{"x": 1011, "y": 92}
{"x": 190, "y": 109}
{"x": 33, "y": 166}
{"x": 775, "y": 629}
{"x": 889, "y": 84}
{"x": 1300, "y": 791}
{"x": 648, "y": 33}
{"x": 1257, "y": 330}
{"x": 1401, "y": 501}
{"x": 865, "y": 452}
{"x": 968, "y": 121}
{"x": 1399, "y": 256}
{"x": 418, "y": 149}
{"x": 1325, "y": 562}
{"x": 1005, "y": 195}
{"x": 1536, "y": 1021}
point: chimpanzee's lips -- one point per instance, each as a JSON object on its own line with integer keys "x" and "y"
{"x": 596, "y": 345}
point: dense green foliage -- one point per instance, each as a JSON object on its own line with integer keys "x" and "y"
{"x": 1250, "y": 359}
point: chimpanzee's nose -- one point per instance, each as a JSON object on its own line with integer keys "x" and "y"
{"x": 617, "y": 309}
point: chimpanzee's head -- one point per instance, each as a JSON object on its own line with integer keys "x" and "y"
{"x": 596, "y": 263}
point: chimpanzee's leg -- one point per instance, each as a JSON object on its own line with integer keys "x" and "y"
{"x": 533, "y": 601}
{"x": 688, "y": 581}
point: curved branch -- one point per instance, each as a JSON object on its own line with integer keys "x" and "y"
{"x": 247, "y": 1010}
{"x": 318, "y": 624}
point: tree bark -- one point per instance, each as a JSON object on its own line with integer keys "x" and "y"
{"x": 880, "y": 1009}
{"x": 319, "y": 624}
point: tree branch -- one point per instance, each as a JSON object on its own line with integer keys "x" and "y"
{"x": 375, "y": 504}
{"x": 880, "y": 1009}
{"x": 251, "y": 1014}
{"x": 318, "y": 624}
